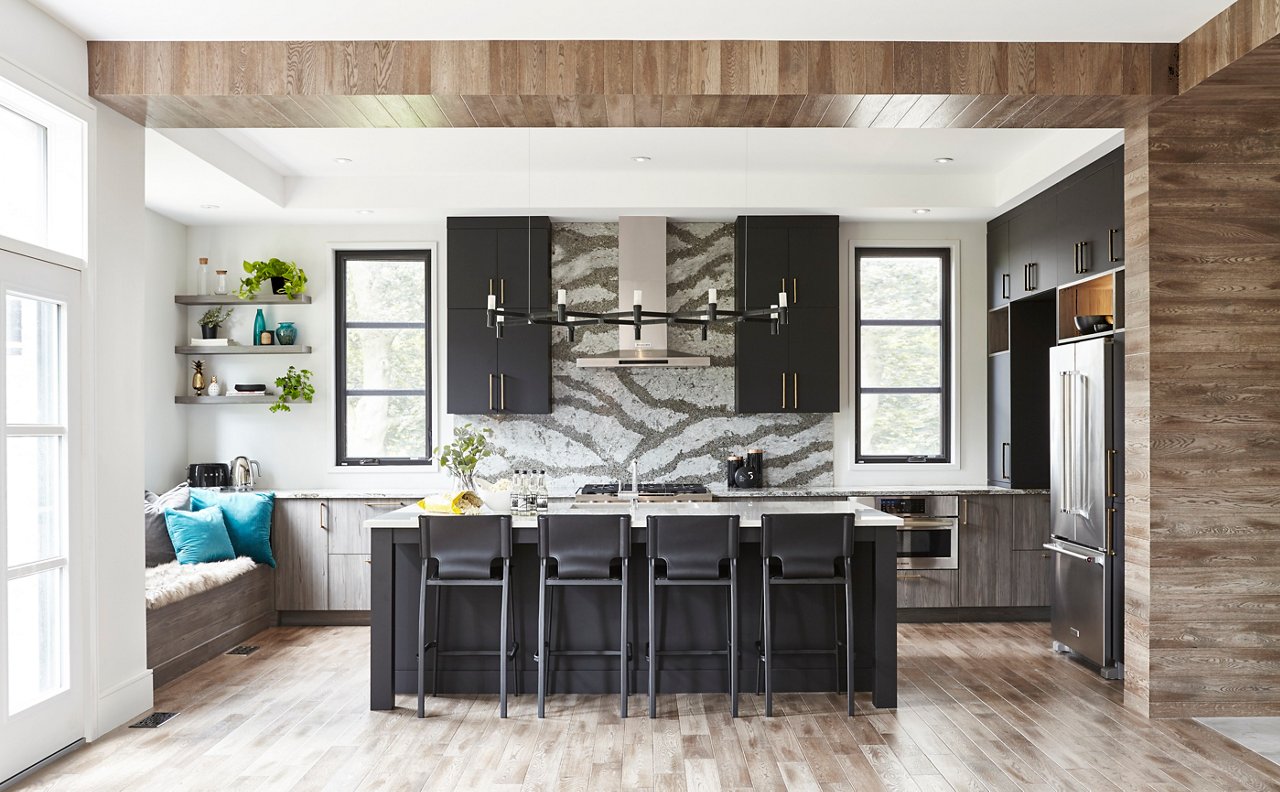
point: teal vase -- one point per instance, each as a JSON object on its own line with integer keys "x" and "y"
{"x": 286, "y": 333}
{"x": 259, "y": 324}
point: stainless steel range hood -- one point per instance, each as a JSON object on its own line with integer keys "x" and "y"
{"x": 642, "y": 264}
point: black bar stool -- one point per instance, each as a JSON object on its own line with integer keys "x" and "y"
{"x": 581, "y": 550}
{"x": 465, "y": 551}
{"x": 806, "y": 550}
{"x": 689, "y": 551}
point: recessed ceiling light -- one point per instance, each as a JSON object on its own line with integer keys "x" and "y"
{"x": 364, "y": 211}
{"x": 641, "y": 158}
{"x": 210, "y": 206}
{"x": 922, "y": 211}
{"x": 342, "y": 160}
{"x": 943, "y": 160}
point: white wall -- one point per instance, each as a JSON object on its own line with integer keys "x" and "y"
{"x": 164, "y": 325}
{"x": 969, "y": 458}
{"x": 295, "y": 449}
{"x": 43, "y": 47}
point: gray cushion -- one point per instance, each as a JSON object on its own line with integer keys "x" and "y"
{"x": 159, "y": 545}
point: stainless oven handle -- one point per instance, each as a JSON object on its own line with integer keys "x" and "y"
{"x": 1058, "y": 549}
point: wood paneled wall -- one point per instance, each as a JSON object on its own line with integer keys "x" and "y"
{"x": 1240, "y": 28}
{"x": 630, "y": 83}
{"x": 1203, "y": 403}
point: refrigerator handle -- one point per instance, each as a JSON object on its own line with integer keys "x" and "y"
{"x": 1064, "y": 551}
{"x": 1064, "y": 419}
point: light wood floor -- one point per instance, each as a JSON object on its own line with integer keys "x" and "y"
{"x": 983, "y": 706}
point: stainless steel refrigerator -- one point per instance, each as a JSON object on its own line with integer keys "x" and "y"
{"x": 1084, "y": 502}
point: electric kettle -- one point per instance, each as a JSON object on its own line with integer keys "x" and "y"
{"x": 243, "y": 470}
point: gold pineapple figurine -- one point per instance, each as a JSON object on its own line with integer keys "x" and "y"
{"x": 198, "y": 383}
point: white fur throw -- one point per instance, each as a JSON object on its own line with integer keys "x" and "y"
{"x": 171, "y": 582}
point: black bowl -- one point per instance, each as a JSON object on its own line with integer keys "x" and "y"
{"x": 251, "y": 388}
{"x": 1087, "y": 323}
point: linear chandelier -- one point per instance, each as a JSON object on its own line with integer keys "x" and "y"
{"x": 637, "y": 317}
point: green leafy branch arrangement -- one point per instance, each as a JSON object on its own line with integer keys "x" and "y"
{"x": 460, "y": 457}
{"x": 214, "y": 317}
{"x": 295, "y": 279}
{"x": 294, "y": 385}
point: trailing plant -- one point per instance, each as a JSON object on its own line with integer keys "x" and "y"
{"x": 295, "y": 279}
{"x": 214, "y": 317}
{"x": 460, "y": 457}
{"x": 294, "y": 385}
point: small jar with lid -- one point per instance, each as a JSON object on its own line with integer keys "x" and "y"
{"x": 202, "y": 276}
{"x": 220, "y": 286}
{"x": 732, "y": 464}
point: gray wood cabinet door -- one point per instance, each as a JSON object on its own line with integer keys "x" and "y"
{"x": 301, "y": 547}
{"x": 1031, "y": 574}
{"x": 347, "y": 534}
{"x": 1030, "y": 521}
{"x": 985, "y": 540}
{"x": 926, "y": 588}
{"x": 349, "y": 582}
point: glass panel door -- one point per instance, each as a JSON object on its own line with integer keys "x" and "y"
{"x": 41, "y": 694}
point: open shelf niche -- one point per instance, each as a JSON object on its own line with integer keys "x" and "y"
{"x": 998, "y": 330}
{"x": 1101, "y": 295}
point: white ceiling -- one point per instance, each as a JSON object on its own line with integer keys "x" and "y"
{"x": 411, "y": 175}
{"x": 853, "y": 20}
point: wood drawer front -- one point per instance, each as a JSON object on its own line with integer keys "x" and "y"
{"x": 349, "y": 582}
{"x": 347, "y": 534}
{"x": 927, "y": 588}
{"x": 1032, "y": 571}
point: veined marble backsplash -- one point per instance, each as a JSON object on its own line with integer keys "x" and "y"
{"x": 678, "y": 423}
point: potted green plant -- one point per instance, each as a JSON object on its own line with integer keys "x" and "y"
{"x": 460, "y": 457}
{"x": 212, "y": 320}
{"x": 286, "y": 278}
{"x": 294, "y": 385}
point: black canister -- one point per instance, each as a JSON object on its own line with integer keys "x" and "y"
{"x": 755, "y": 463}
{"x": 731, "y": 468}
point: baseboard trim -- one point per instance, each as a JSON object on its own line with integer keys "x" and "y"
{"x": 931, "y": 615}
{"x": 123, "y": 703}
{"x": 324, "y": 618}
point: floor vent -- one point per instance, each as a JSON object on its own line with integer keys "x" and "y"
{"x": 154, "y": 720}
{"x": 243, "y": 650}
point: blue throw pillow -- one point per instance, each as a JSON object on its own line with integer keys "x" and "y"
{"x": 248, "y": 516}
{"x": 199, "y": 536}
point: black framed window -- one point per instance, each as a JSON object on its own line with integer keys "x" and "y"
{"x": 902, "y": 354}
{"x": 383, "y": 343}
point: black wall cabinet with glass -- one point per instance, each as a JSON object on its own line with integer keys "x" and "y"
{"x": 797, "y": 370}
{"x": 509, "y": 257}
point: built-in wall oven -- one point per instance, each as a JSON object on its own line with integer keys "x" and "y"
{"x": 929, "y": 533}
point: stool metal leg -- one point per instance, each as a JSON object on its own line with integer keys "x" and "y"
{"x": 733, "y": 637}
{"x": 623, "y": 663}
{"x": 422, "y": 642}
{"x": 435, "y": 641}
{"x": 542, "y": 639}
{"x": 767, "y": 609}
{"x": 502, "y": 641}
{"x": 653, "y": 641}
{"x": 512, "y": 650}
{"x": 848, "y": 628}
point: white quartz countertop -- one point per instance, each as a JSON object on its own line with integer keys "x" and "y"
{"x": 717, "y": 491}
{"x": 749, "y": 512}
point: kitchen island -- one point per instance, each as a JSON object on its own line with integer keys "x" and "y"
{"x": 805, "y": 617}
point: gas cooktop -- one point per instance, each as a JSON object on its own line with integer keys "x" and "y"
{"x": 649, "y": 493}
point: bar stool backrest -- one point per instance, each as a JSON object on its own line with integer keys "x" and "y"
{"x": 691, "y": 545}
{"x": 807, "y": 545}
{"x": 584, "y": 545}
{"x": 464, "y": 547}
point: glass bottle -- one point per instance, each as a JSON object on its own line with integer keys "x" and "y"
{"x": 541, "y": 499}
{"x": 202, "y": 277}
{"x": 515, "y": 492}
{"x": 259, "y": 324}
{"x": 220, "y": 286}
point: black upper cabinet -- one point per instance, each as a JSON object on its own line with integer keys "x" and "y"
{"x": 797, "y": 370}
{"x": 1033, "y": 259}
{"x": 999, "y": 279}
{"x": 1091, "y": 227}
{"x": 509, "y": 257}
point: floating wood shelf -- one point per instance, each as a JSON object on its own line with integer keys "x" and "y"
{"x": 1102, "y": 295}
{"x": 269, "y": 349}
{"x": 231, "y": 299}
{"x": 235, "y": 398}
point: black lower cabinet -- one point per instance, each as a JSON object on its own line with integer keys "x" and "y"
{"x": 797, "y": 370}
{"x": 490, "y": 375}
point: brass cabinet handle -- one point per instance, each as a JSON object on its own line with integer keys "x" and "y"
{"x": 399, "y": 504}
{"x": 1111, "y": 464}
{"x": 910, "y": 577}
{"x": 795, "y": 391}
{"x": 1111, "y": 244}
{"x": 490, "y": 391}
{"x": 1111, "y": 531}
{"x": 502, "y": 391}
{"x": 324, "y": 515}
{"x": 782, "y": 285}
{"x": 965, "y": 516}
{"x": 784, "y": 390}
{"x": 502, "y": 291}
{"x": 795, "y": 291}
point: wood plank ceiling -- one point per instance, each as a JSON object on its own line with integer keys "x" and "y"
{"x": 632, "y": 83}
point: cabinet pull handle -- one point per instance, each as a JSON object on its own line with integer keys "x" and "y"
{"x": 1111, "y": 244}
{"x": 491, "y": 286}
{"x": 502, "y": 291}
{"x": 795, "y": 391}
{"x": 1076, "y": 268}
{"x": 490, "y": 391}
{"x": 964, "y": 515}
{"x": 502, "y": 391}
{"x": 1111, "y": 531}
{"x": 324, "y": 515}
{"x": 1111, "y": 465}
{"x": 1035, "y": 275}
{"x": 1004, "y": 286}
{"x": 910, "y": 577}
{"x": 784, "y": 390}
{"x": 368, "y": 561}
{"x": 1084, "y": 257}
{"x": 1004, "y": 470}
{"x": 795, "y": 292}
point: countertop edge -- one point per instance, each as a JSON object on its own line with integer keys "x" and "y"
{"x": 720, "y": 493}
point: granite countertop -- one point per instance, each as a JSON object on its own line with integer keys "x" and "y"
{"x": 749, "y": 512}
{"x": 718, "y": 492}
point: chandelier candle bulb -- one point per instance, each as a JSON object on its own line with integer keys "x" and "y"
{"x": 636, "y": 297}
{"x": 493, "y": 302}
{"x": 782, "y": 299}
{"x": 562, "y": 297}
{"x": 711, "y": 296}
